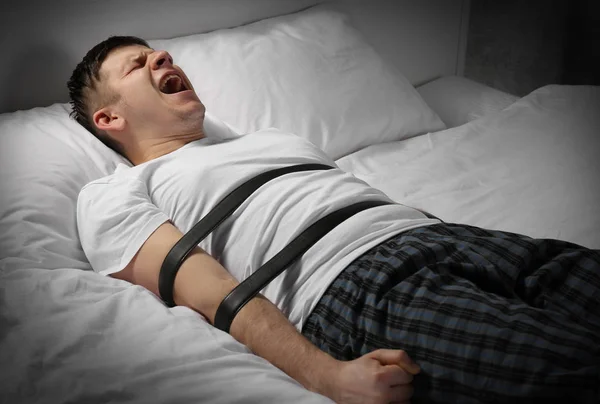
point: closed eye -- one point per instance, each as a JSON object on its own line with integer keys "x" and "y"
{"x": 135, "y": 66}
{"x": 138, "y": 62}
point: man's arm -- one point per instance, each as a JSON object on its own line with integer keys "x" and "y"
{"x": 379, "y": 377}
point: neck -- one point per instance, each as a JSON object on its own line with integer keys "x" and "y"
{"x": 149, "y": 149}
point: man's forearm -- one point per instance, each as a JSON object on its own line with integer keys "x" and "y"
{"x": 202, "y": 283}
{"x": 260, "y": 325}
{"x": 379, "y": 377}
{"x": 264, "y": 329}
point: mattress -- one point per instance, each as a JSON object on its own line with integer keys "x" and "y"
{"x": 532, "y": 168}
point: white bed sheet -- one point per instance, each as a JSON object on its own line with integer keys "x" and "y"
{"x": 533, "y": 168}
{"x": 72, "y": 336}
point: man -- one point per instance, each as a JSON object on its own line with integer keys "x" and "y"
{"x": 488, "y": 316}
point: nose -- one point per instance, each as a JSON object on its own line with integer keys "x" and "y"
{"x": 161, "y": 59}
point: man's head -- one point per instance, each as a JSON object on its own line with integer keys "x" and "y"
{"x": 132, "y": 97}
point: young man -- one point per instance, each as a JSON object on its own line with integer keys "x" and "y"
{"x": 487, "y": 315}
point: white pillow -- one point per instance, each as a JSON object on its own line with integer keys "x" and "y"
{"x": 309, "y": 73}
{"x": 458, "y": 100}
{"x": 45, "y": 159}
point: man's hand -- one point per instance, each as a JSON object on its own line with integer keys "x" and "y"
{"x": 379, "y": 377}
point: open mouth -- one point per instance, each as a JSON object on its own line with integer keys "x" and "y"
{"x": 171, "y": 84}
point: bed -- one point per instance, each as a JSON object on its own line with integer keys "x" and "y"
{"x": 378, "y": 86}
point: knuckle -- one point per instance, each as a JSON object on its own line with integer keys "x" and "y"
{"x": 402, "y": 355}
{"x": 379, "y": 376}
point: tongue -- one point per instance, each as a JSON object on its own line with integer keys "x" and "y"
{"x": 173, "y": 86}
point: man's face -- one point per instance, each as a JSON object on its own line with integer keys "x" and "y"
{"x": 156, "y": 97}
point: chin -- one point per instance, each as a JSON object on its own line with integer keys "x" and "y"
{"x": 188, "y": 107}
{"x": 191, "y": 119}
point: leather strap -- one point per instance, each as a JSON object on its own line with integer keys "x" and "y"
{"x": 246, "y": 290}
{"x": 206, "y": 225}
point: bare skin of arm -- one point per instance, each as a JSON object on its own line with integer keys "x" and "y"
{"x": 382, "y": 376}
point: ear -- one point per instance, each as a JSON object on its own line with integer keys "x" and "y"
{"x": 108, "y": 120}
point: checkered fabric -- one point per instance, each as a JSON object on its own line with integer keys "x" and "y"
{"x": 490, "y": 316}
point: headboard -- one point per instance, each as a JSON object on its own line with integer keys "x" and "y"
{"x": 43, "y": 41}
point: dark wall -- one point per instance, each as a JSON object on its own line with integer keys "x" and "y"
{"x": 517, "y": 46}
{"x": 582, "y": 56}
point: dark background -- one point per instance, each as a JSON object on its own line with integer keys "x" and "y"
{"x": 517, "y": 46}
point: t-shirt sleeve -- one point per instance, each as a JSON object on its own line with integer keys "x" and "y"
{"x": 115, "y": 216}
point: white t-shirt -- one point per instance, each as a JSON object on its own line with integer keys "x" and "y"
{"x": 117, "y": 213}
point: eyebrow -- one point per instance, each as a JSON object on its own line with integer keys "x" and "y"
{"x": 133, "y": 58}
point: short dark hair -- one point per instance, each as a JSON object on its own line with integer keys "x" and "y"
{"x": 84, "y": 79}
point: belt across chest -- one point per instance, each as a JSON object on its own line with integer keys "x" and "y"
{"x": 250, "y": 287}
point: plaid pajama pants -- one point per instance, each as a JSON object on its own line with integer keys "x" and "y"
{"x": 490, "y": 316}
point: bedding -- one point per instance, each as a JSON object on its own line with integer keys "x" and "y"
{"x": 458, "y": 100}
{"x": 532, "y": 168}
{"x": 69, "y": 335}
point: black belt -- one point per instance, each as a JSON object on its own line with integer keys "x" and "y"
{"x": 247, "y": 289}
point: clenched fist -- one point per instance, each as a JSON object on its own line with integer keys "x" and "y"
{"x": 380, "y": 377}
